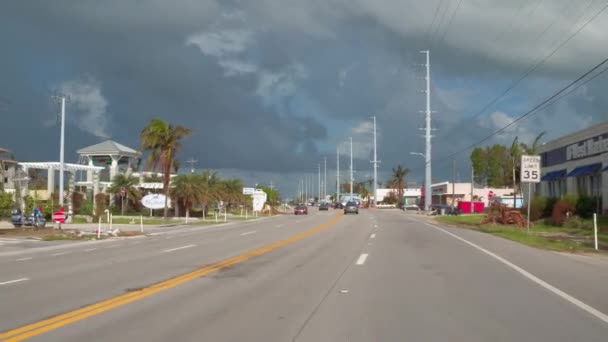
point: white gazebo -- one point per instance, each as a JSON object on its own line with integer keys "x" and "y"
{"x": 109, "y": 155}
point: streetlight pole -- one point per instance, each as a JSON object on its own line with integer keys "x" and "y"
{"x": 319, "y": 193}
{"x": 61, "y": 152}
{"x": 337, "y": 173}
{"x": 375, "y": 162}
{"x": 427, "y": 178}
{"x": 351, "y": 168}
{"x": 324, "y": 177}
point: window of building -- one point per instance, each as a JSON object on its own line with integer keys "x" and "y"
{"x": 557, "y": 188}
{"x": 5, "y": 180}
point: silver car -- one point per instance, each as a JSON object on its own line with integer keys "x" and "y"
{"x": 351, "y": 208}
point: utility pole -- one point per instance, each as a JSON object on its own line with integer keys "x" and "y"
{"x": 427, "y": 137}
{"x": 61, "y": 152}
{"x": 472, "y": 187}
{"x": 192, "y": 162}
{"x": 324, "y": 177}
{"x": 453, "y": 182}
{"x": 338, "y": 173}
{"x": 319, "y": 193}
{"x": 375, "y": 162}
{"x": 351, "y": 169}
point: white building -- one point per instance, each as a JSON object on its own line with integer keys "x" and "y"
{"x": 577, "y": 164}
{"x": 411, "y": 196}
{"x": 442, "y": 193}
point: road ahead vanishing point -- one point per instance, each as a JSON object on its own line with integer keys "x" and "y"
{"x": 378, "y": 276}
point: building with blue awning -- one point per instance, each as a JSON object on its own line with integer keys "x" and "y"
{"x": 577, "y": 164}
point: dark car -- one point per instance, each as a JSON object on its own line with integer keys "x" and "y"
{"x": 351, "y": 208}
{"x": 338, "y": 205}
{"x": 324, "y": 206}
{"x": 300, "y": 209}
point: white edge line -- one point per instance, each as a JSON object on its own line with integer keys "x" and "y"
{"x": 58, "y": 254}
{"x": 362, "y": 259}
{"x": 90, "y": 249}
{"x": 373, "y": 236}
{"x": 248, "y": 233}
{"x": 14, "y": 281}
{"x": 589, "y": 309}
{"x": 178, "y": 248}
{"x": 23, "y": 259}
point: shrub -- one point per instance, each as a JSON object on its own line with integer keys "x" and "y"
{"x": 102, "y": 201}
{"x": 537, "y": 208}
{"x": 549, "y": 206}
{"x": 572, "y": 199}
{"x": 585, "y": 206}
{"x": 77, "y": 200}
{"x": 6, "y": 204}
{"x": 562, "y": 210}
{"x": 576, "y": 222}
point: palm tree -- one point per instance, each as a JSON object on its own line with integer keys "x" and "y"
{"x": 163, "y": 141}
{"x": 232, "y": 191}
{"x": 365, "y": 194}
{"x": 533, "y": 148}
{"x": 129, "y": 183}
{"x": 211, "y": 186}
{"x": 398, "y": 180}
{"x": 187, "y": 189}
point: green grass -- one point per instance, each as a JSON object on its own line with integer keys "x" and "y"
{"x": 540, "y": 236}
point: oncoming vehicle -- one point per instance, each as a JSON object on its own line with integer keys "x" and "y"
{"x": 300, "y": 209}
{"x": 324, "y": 206}
{"x": 351, "y": 208}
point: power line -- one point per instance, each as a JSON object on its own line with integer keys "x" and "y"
{"x": 565, "y": 91}
{"x": 447, "y": 27}
{"x": 428, "y": 31}
{"x": 536, "y": 66}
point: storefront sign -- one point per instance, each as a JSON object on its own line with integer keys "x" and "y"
{"x": 587, "y": 148}
{"x": 579, "y": 150}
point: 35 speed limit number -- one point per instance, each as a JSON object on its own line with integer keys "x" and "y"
{"x": 530, "y": 169}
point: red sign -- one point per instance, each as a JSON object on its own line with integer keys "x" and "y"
{"x": 59, "y": 216}
{"x": 490, "y": 194}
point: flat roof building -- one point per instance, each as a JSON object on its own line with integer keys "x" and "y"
{"x": 577, "y": 164}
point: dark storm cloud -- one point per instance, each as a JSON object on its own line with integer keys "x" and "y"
{"x": 274, "y": 85}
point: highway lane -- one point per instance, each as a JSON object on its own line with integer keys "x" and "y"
{"x": 59, "y": 281}
{"x": 378, "y": 276}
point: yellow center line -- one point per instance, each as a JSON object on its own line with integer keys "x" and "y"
{"x": 46, "y": 325}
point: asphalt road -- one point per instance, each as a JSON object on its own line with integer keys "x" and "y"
{"x": 383, "y": 275}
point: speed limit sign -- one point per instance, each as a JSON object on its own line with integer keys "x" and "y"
{"x": 530, "y": 169}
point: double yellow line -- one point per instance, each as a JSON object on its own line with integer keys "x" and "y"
{"x": 41, "y": 327}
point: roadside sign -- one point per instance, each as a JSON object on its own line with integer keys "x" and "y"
{"x": 59, "y": 217}
{"x": 248, "y": 191}
{"x": 530, "y": 169}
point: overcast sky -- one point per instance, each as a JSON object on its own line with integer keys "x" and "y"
{"x": 271, "y": 87}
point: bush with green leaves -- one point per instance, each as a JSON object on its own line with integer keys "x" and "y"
{"x": 576, "y": 222}
{"x": 6, "y": 204}
{"x": 571, "y": 199}
{"x": 537, "y": 208}
{"x": 585, "y": 206}
{"x": 549, "y": 206}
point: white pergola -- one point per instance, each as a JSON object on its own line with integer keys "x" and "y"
{"x": 55, "y": 166}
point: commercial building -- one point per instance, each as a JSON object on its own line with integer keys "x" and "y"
{"x": 8, "y": 169}
{"x": 410, "y": 195}
{"x": 442, "y": 194}
{"x": 577, "y": 164}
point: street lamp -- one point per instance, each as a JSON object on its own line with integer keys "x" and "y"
{"x": 418, "y": 154}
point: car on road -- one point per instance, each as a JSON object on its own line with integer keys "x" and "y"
{"x": 338, "y": 205}
{"x": 324, "y": 206}
{"x": 300, "y": 209}
{"x": 351, "y": 208}
{"x": 410, "y": 207}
